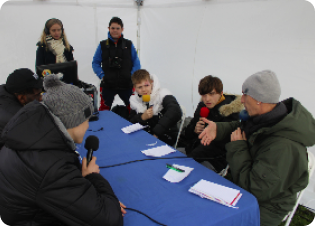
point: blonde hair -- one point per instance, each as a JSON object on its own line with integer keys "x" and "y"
{"x": 48, "y": 25}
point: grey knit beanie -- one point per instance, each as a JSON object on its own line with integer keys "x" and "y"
{"x": 67, "y": 102}
{"x": 263, "y": 86}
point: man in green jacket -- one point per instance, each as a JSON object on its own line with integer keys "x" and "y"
{"x": 267, "y": 153}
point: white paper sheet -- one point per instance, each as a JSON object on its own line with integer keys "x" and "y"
{"x": 133, "y": 128}
{"x": 158, "y": 151}
{"x": 175, "y": 176}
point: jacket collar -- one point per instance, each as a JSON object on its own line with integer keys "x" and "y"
{"x": 34, "y": 127}
{"x": 4, "y": 93}
{"x": 111, "y": 38}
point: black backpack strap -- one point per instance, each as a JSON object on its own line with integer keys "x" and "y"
{"x": 107, "y": 43}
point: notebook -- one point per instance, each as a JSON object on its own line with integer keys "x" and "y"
{"x": 215, "y": 192}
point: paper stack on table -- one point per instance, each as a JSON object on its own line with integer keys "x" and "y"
{"x": 215, "y": 192}
{"x": 158, "y": 151}
{"x": 133, "y": 128}
{"x": 174, "y": 176}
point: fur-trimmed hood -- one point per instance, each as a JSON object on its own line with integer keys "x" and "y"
{"x": 234, "y": 107}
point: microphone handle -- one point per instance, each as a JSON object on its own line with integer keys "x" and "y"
{"x": 89, "y": 156}
{"x": 206, "y": 124}
{"x": 148, "y": 106}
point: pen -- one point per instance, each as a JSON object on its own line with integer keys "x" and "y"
{"x": 174, "y": 168}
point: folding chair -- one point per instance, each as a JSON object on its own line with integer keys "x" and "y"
{"x": 311, "y": 162}
{"x": 224, "y": 171}
{"x": 181, "y": 124}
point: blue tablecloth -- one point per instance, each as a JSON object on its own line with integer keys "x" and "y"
{"x": 140, "y": 185}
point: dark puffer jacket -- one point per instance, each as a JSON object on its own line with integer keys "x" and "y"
{"x": 162, "y": 123}
{"x": 9, "y": 106}
{"x": 226, "y": 111}
{"x": 40, "y": 176}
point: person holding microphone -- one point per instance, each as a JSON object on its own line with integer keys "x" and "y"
{"x": 41, "y": 179}
{"x": 215, "y": 106}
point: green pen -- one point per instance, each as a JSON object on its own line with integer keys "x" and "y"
{"x": 174, "y": 168}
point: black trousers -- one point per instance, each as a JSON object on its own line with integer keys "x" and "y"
{"x": 214, "y": 153}
{"x": 109, "y": 94}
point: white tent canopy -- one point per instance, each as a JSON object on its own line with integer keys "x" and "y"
{"x": 180, "y": 42}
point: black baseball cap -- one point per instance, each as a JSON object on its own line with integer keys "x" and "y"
{"x": 23, "y": 79}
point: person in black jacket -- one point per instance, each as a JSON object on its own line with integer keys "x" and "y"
{"x": 114, "y": 61}
{"x": 217, "y": 107}
{"x": 161, "y": 113}
{"x": 22, "y": 86}
{"x": 41, "y": 179}
{"x": 53, "y": 46}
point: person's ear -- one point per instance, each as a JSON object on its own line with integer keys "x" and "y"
{"x": 21, "y": 98}
{"x": 221, "y": 93}
{"x": 122, "y": 29}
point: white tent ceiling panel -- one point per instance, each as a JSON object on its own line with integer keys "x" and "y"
{"x": 99, "y": 3}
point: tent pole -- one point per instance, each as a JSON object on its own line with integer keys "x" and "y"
{"x": 139, "y": 2}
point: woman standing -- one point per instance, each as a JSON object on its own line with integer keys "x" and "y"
{"x": 53, "y": 46}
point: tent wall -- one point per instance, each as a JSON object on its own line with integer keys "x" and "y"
{"x": 231, "y": 41}
{"x": 181, "y": 42}
{"x": 85, "y": 26}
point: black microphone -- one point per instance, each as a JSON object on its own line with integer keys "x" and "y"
{"x": 91, "y": 144}
{"x": 244, "y": 116}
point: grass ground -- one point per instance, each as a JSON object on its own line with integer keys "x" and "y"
{"x": 301, "y": 217}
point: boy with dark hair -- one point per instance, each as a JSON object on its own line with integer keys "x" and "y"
{"x": 116, "y": 20}
{"x": 114, "y": 61}
{"x": 217, "y": 107}
{"x": 160, "y": 112}
{"x": 42, "y": 181}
